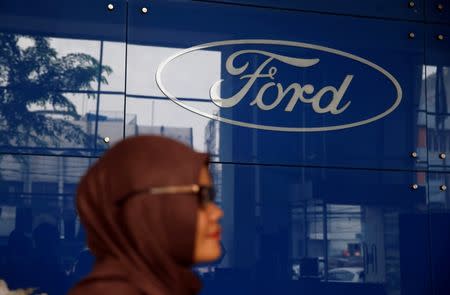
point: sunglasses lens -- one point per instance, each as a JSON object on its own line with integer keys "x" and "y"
{"x": 212, "y": 194}
{"x": 206, "y": 195}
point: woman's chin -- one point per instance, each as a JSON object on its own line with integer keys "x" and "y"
{"x": 208, "y": 256}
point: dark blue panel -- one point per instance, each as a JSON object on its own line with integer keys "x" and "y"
{"x": 320, "y": 231}
{"x": 40, "y": 235}
{"x": 62, "y": 75}
{"x": 398, "y": 9}
{"x": 439, "y": 204}
{"x": 440, "y": 243}
{"x": 366, "y": 75}
{"x": 327, "y": 231}
{"x": 437, "y": 11}
{"x": 438, "y": 94}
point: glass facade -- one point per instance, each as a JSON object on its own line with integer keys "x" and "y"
{"x": 326, "y": 124}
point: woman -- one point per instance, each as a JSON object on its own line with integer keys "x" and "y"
{"x": 148, "y": 212}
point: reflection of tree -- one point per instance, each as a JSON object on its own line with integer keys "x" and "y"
{"x": 34, "y": 109}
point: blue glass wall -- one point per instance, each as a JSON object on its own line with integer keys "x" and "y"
{"x": 326, "y": 123}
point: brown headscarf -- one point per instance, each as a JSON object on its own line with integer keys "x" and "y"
{"x": 143, "y": 243}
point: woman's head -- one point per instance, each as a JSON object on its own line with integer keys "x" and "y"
{"x": 132, "y": 215}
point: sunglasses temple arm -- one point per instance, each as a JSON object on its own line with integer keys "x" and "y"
{"x": 194, "y": 188}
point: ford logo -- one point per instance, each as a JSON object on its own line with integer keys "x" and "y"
{"x": 259, "y": 87}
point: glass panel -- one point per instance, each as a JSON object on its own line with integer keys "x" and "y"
{"x": 54, "y": 65}
{"x": 321, "y": 230}
{"x": 438, "y": 95}
{"x": 39, "y": 229}
{"x": 437, "y": 11}
{"x": 302, "y": 98}
{"x": 110, "y": 120}
{"x": 163, "y": 117}
{"x": 439, "y": 207}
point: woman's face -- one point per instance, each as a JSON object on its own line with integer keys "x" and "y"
{"x": 207, "y": 237}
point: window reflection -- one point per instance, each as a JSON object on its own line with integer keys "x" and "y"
{"x": 344, "y": 240}
{"x": 438, "y": 98}
{"x": 163, "y": 117}
{"x": 49, "y": 86}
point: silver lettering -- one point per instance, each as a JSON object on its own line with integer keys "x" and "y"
{"x": 298, "y": 91}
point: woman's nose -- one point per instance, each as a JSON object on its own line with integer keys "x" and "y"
{"x": 214, "y": 212}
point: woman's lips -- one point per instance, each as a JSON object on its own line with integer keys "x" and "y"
{"x": 215, "y": 235}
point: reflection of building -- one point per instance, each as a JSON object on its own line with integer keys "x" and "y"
{"x": 437, "y": 98}
{"x": 110, "y": 124}
{"x": 182, "y": 134}
{"x": 212, "y": 137}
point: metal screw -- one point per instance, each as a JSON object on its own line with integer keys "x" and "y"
{"x": 144, "y": 10}
{"x": 442, "y": 156}
{"x": 414, "y": 186}
{"x": 106, "y": 139}
{"x": 411, "y": 35}
{"x": 414, "y": 155}
{"x": 110, "y": 7}
{"x": 440, "y": 37}
{"x": 440, "y": 7}
{"x": 411, "y": 4}
{"x": 443, "y": 187}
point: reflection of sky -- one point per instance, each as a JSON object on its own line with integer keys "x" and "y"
{"x": 428, "y": 71}
{"x": 143, "y": 62}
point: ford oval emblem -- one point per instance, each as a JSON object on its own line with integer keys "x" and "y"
{"x": 262, "y": 76}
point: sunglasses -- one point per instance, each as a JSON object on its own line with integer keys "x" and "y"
{"x": 205, "y": 194}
